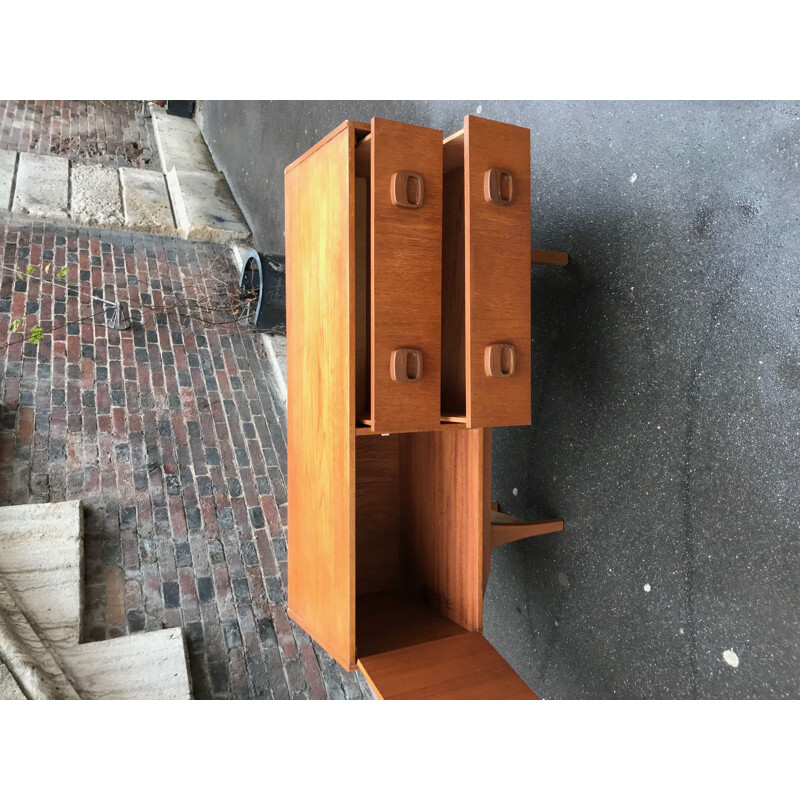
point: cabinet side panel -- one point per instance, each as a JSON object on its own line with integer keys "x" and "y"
{"x": 498, "y": 273}
{"x": 443, "y": 498}
{"x": 320, "y": 321}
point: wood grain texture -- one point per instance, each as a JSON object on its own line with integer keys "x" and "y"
{"x": 320, "y": 318}
{"x": 505, "y": 528}
{"x": 498, "y": 281}
{"x": 360, "y": 129}
{"x": 406, "y": 265}
{"x": 378, "y": 526}
{"x": 395, "y": 619}
{"x": 552, "y": 258}
{"x": 463, "y": 667}
{"x": 443, "y": 503}
{"x": 488, "y": 507}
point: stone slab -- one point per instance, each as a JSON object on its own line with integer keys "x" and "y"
{"x": 9, "y": 688}
{"x": 41, "y": 560}
{"x": 212, "y": 211}
{"x": 176, "y": 199}
{"x": 143, "y": 666}
{"x": 146, "y": 202}
{"x": 27, "y": 657}
{"x": 8, "y": 165}
{"x": 95, "y": 198}
{"x": 42, "y": 188}
{"x": 181, "y": 144}
{"x": 275, "y": 345}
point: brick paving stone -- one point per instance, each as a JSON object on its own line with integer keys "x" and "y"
{"x": 109, "y": 132}
{"x": 182, "y": 478}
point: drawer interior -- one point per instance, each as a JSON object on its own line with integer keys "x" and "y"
{"x": 420, "y": 522}
{"x": 363, "y": 280}
{"x": 454, "y": 391}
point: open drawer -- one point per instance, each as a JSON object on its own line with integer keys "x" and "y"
{"x": 398, "y": 234}
{"x": 486, "y": 282}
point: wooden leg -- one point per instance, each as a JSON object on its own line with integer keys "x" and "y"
{"x": 505, "y": 528}
{"x": 549, "y": 257}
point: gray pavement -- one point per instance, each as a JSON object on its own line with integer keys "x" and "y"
{"x": 666, "y": 386}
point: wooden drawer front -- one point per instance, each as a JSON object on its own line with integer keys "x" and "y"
{"x": 406, "y": 264}
{"x": 498, "y": 279}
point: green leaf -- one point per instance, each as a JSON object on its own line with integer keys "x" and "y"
{"x": 36, "y": 334}
{"x": 15, "y": 325}
{"x": 62, "y": 272}
{"x": 31, "y": 269}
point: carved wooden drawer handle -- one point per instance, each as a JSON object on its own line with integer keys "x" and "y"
{"x": 500, "y": 360}
{"x": 406, "y": 365}
{"x": 408, "y": 189}
{"x": 498, "y": 186}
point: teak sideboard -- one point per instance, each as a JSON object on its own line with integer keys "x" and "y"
{"x": 408, "y": 338}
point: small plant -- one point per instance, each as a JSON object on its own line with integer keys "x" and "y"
{"x": 37, "y": 332}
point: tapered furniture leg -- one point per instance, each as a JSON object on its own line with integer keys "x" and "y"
{"x": 549, "y": 258}
{"x": 505, "y": 528}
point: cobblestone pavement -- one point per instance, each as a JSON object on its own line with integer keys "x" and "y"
{"x": 169, "y": 434}
{"x": 106, "y": 132}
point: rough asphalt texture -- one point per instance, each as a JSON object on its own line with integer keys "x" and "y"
{"x": 666, "y": 386}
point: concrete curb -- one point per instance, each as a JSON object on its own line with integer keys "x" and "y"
{"x": 178, "y": 203}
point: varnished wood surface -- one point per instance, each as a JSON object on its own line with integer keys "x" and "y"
{"x": 320, "y": 317}
{"x": 505, "y": 528}
{"x": 443, "y": 502}
{"x": 357, "y": 128}
{"x": 463, "y": 667}
{"x": 552, "y": 258}
{"x": 406, "y": 264}
{"x": 395, "y": 619}
{"x": 498, "y": 284}
{"x": 453, "y": 155}
{"x": 378, "y": 514}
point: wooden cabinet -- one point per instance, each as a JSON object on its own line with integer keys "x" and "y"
{"x": 408, "y": 337}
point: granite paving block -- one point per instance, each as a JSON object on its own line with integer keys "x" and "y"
{"x": 42, "y": 188}
{"x": 9, "y": 688}
{"x": 210, "y": 206}
{"x": 41, "y": 559}
{"x": 146, "y": 201}
{"x": 95, "y": 197}
{"x": 182, "y": 144}
{"x": 8, "y": 164}
{"x": 143, "y": 666}
{"x": 27, "y": 657}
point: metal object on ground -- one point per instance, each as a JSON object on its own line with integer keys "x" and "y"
{"x": 263, "y": 291}
{"x": 121, "y": 318}
{"x": 181, "y": 108}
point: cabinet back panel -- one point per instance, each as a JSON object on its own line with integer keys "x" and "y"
{"x": 445, "y": 494}
{"x": 377, "y": 514}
